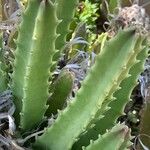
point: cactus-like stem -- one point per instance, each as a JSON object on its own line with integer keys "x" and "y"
{"x": 31, "y": 76}
{"x": 97, "y": 86}
{"x": 115, "y": 139}
{"x": 23, "y": 42}
{"x": 123, "y": 95}
{"x": 117, "y": 106}
{"x": 61, "y": 90}
{"x": 65, "y": 13}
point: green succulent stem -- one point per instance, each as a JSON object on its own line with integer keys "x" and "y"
{"x": 21, "y": 54}
{"x": 61, "y": 89}
{"x": 116, "y": 106}
{"x": 117, "y": 136}
{"x": 103, "y": 77}
{"x": 65, "y": 12}
{"x": 33, "y": 61}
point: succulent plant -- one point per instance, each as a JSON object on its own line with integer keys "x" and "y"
{"x": 93, "y": 112}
